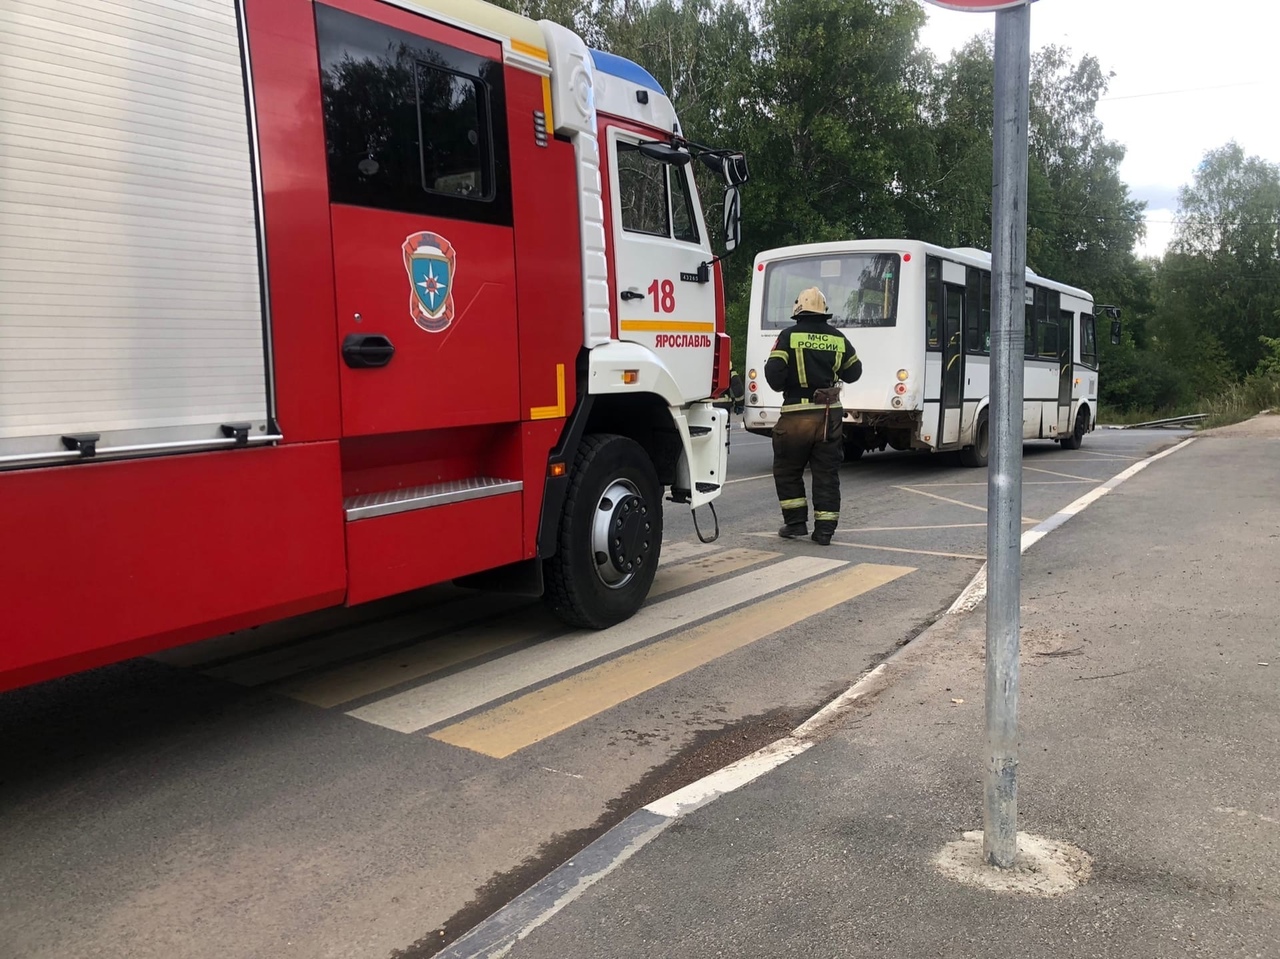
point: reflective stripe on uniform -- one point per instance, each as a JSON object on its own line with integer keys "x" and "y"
{"x": 779, "y": 355}
{"x": 793, "y": 503}
{"x": 805, "y": 405}
{"x": 850, "y": 360}
{"x": 820, "y": 515}
{"x": 801, "y": 372}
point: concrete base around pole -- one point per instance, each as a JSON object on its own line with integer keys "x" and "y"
{"x": 1043, "y": 867}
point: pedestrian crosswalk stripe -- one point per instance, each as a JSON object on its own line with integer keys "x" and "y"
{"x": 670, "y": 579}
{"x": 282, "y": 649}
{"x": 520, "y": 723}
{"x": 679, "y": 551}
{"x": 341, "y": 619}
{"x": 277, "y": 664}
{"x": 371, "y": 676}
{"x": 473, "y": 641}
{"x": 427, "y": 705}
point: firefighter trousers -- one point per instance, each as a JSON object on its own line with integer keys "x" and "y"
{"x": 799, "y": 441}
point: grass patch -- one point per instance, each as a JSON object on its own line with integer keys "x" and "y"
{"x": 1112, "y": 417}
{"x": 1242, "y": 401}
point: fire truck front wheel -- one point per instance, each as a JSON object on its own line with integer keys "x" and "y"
{"x": 609, "y": 537}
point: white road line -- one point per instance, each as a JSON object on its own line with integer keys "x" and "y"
{"x": 748, "y": 479}
{"x": 977, "y": 589}
{"x": 887, "y": 549}
{"x": 435, "y": 702}
{"x": 1087, "y": 479}
{"x": 1069, "y": 482}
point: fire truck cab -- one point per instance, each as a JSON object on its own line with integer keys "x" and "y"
{"x": 305, "y": 304}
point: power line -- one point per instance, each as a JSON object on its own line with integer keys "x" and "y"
{"x": 1170, "y": 93}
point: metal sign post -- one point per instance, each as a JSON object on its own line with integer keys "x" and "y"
{"x": 1004, "y": 475}
{"x": 1004, "y": 478}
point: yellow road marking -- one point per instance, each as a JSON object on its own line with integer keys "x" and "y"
{"x": 671, "y": 578}
{"x": 413, "y": 662}
{"x": 508, "y": 728}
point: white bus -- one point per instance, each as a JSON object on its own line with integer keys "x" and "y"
{"x": 920, "y": 318}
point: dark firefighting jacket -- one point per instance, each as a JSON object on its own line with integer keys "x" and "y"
{"x": 811, "y": 355}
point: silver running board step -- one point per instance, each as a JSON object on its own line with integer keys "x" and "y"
{"x": 367, "y": 505}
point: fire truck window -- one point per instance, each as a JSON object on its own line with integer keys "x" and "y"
{"x": 642, "y": 192}
{"x": 451, "y": 133}
{"x": 411, "y": 125}
{"x": 682, "y": 215}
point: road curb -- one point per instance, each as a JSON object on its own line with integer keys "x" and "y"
{"x": 500, "y": 932}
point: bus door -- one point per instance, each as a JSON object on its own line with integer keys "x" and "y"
{"x": 952, "y": 366}
{"x": 1066, "y": 370}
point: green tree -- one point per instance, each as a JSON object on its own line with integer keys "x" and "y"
{"x": 1222, "y": 275}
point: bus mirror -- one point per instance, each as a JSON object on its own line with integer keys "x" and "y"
{"x": 732, "y": 219}
{"x": 664, "y": 153}
{"x": 1114, "y": 313}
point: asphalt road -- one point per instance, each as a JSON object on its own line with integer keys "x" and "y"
{"x": 369, "y": 783}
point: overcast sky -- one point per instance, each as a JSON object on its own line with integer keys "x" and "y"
{"x": 1189, "y": 76}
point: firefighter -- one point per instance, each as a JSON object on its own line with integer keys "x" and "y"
{"x": 808, "y": 362}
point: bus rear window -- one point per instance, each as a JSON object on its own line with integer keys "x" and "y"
{"x": 861, "y": 288}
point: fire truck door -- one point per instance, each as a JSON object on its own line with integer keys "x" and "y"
{"x": 420, "y": 194}
{"x": 659, "y": 242}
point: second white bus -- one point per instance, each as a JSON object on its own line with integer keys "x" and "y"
{"x": 920, "y": 318}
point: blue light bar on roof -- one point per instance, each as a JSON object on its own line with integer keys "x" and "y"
{"x": 625, "y": 69}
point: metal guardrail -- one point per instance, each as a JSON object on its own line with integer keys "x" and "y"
{"x": 1171, "y": 421}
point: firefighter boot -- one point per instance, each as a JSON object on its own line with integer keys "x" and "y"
{"x": 822, "y": 536}
{"x": 794, "y": 530}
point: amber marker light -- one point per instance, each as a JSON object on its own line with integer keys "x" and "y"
{"x": 557, "y": 470}
{"x": 630, "y": 376}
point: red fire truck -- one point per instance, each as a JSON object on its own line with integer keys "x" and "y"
{"x": 305, "y": 304}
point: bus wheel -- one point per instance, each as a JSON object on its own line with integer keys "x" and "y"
{"x": 1076, "y": 439}
{"x": 610, "y": 534}
{"x": 976, "y": 455}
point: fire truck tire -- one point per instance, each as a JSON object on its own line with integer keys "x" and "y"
{"x": 609, "y": 536}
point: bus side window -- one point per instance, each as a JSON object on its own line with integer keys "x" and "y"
{"x": 1088, "y": 340}
{"x": 933, "y": 302}
{"x": 1029, "y": 331}
{"x": 984, "y": 321}
{"x": 972, "y": 297}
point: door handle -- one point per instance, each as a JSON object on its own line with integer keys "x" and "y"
{"x": 362, "y": 351}
{"x": 631, "y": 295}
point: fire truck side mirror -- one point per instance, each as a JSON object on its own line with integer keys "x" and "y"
{"x": 664, "y": 153}
{"x": 732, "y": 219}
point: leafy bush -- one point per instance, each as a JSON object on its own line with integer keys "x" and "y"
{"x": 1134, "y": 380}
